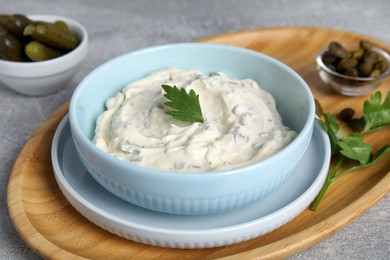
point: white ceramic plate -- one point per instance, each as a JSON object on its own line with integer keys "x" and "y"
{"x": 179, "y": 231}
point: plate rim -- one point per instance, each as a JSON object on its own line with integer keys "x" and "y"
{"x": 68, "y": 190}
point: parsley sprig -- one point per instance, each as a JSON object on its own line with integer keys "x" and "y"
{"x": 186, "y": 105}
{"x": 376, "y": 115}
{"x": 352, "y": 147}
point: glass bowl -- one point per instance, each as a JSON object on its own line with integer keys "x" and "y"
{"x": 349, "y": 85}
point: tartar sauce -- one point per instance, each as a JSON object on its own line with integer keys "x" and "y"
{"x": 241, "y": 126}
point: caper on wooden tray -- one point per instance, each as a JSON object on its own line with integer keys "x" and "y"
{"x": 363, "y": 61}
{"x": 22, "y": 39}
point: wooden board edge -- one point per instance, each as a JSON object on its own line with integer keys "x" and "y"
{"x": 16, "y": 210}
{"x": 322, "y": 230}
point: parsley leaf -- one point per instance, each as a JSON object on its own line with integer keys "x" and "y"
{"x": 376, "y": 114}
{"x": 352, "y": 147}
{"x": 381, "y": 153}
{"x": 186, "y": 105}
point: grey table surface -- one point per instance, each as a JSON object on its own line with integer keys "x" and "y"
{"x": 117, "y": 27}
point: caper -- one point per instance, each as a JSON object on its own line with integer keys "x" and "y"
{"x": 352, "y": 72}
{"x": 328, "y": 58}
{"x": 331, "y": 67}
{"x": 358, "y": 54}
{"x": 381, "y": 65}
{"x": 337, "y": 50}
{"x": 366, "y": 45}
{"x": 346, "y": 64}
{"x": 346, "y": 114}
{"x": 371, "y": 56}
{"x": 365, "y": 69}
{"x": 375, "y": 73}
{"x": 361, "y": 62}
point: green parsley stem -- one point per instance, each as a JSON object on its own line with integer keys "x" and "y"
{"x": 352, "y": 147}
{"x": 331, "y": 177}
{"x": 372, "y": 129}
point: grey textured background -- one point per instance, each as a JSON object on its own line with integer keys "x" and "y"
{"x": 117, "y": 27}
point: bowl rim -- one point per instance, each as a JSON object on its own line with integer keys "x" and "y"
{"x": 8, "y": 67}
{"x": 307, "y": 128}
{"x": 382, "y": 52}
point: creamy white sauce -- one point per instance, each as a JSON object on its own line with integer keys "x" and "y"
{"x": 241, "y": 126}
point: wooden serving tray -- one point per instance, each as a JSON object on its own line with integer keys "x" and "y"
{"x": 54, "y": 229}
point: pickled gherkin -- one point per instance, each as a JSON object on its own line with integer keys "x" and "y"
{"x": 37, "y": 51}
{"x": 361, "y": 62}
{"x": 22, "y": 39}
{"x": 3, "y": 19}
{"x": 62, "y": 25}
{"x": 10, "y": 47}
{"x": 52, "y": 34}
{"x": 14, "y": 24}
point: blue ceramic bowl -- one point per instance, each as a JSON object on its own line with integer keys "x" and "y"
{"x": 201, "y": 192}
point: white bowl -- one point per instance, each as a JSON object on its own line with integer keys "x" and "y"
{"x": 45, "y": 77}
